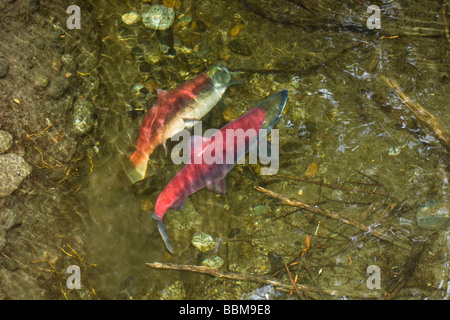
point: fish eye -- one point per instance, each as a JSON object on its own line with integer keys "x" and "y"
{"x": 221, "y": 75}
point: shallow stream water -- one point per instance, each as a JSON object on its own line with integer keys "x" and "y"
{"x": 349, "y": 144}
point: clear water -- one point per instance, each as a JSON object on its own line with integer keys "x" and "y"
{"x": 344, "y": 128}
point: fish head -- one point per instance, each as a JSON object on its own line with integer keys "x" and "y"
{"x": 273, "y": 107}
{"x": 220, "y": 75}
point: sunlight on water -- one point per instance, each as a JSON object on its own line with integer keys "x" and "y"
{"x": 349, "y": 148}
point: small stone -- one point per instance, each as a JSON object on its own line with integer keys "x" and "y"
{"x": 158, "y": 17}
{"x": 131, "y": 18}
{"x": 175, "y": 4}
{"x": 4, "y": 68}
{"x": 184, "y": 21}
{"x": 58, "y": 87}
{"x": 236, "y": 29}
{"x": 214, "y": 263}
{"x": 13, "y": 170}
{"x": 433, "y": 214}
{"x": 2, "y": 239}
{"x": 311, "y": 170}
{"x": 6, "y": 141}
{"x": 41, "y": 82}
{"x": 8, "y": 219}
{"x": 230, "y": 114}
{"x": 83, "y": 116}
{"x": 240, "y": 47}
{"x": 201, "y": 26}
{"x": 203, "y": 242}
{"x": 175, "y": 291}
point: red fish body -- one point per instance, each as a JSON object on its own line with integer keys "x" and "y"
{"x": 199, "y": 174}
{"x": 174, "y": 111}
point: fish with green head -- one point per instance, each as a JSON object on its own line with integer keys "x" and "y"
{"x": 174, "y": 111}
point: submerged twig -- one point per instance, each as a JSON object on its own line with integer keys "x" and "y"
{"x": 421, "y": 114}
{"x": 280, "y": 285}
{"x": 333, "y": 186}
{"x": 406, "y": 271}
{"x": 335, "y": 216}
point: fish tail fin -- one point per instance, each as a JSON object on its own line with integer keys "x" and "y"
{"x": 135, "y": 167}
{"x": 163, "y": 232}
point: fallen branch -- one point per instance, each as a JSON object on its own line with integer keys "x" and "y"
{"x": 421, "y": 114}
{"x": 327, "y": 185}
{"x": 282, "y": 286}
{"x": 335, "y": 216}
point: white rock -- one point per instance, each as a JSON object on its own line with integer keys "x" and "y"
{"x": 13, "y": 169}
{"x": 131, "y": 17}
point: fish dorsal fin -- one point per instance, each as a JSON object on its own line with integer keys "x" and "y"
{"x": 197, "y": 144}
{"x": 219, "y": 187}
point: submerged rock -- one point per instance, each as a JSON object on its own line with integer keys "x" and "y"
{"x": 6, "y": 141}
{"x": 215, "y": 262}
{"x": 240, "y": 47}
{"x": 83, "y": 116}
{"x": 433, "y": 214}
{"x": 7, "y": 220}
{"x": 158, "y": 17}
{"x": 58, "y": 87}
{"x": 13, "y": 170}
{"x": 203, "y": 241}
{"x": 175, "y": 291}
{"x": 131, "y": 18}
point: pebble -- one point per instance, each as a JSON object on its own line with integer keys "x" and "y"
{"x": 203, "y": 242}
{"x": 41, "y": 82}
{"x": 175, "y": 4}
{"x": 6, "y": 141}
{"x": 433, "y": 214}
{"x": 239, "y": 47}
{"x": 131, "y": 18}
{"x": 158, "y": 17}
{"x": 236, "y": 29}
{"x": 83, "y": 116}
{"x": 4, "y": 68}
{"x": 58, "y": 87}
{"x": 7, "y": 220}
{"x": 13, "y": 170}
{"x": 201, "y": 26}
{"x": 175, "y": 291}
{"x": 311, "y": 170}
{"x": 214, "y": 263}
{"x": 230, "y": 114}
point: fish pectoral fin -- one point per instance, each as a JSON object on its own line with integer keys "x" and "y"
{"x": 190, "y": 122}
{"x": 179, "y": 204}
{"x": 219, "y": 187}
{"x": 163, "y": 232}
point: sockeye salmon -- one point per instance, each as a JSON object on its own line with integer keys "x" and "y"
{"x": 199, "y": 174}
{"x": 174, "y": 111}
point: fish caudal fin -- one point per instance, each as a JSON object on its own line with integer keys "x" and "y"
{"x": 135, "y": 167}
{"x": 163, "y": 232}
{"x": 135, "y": 173}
